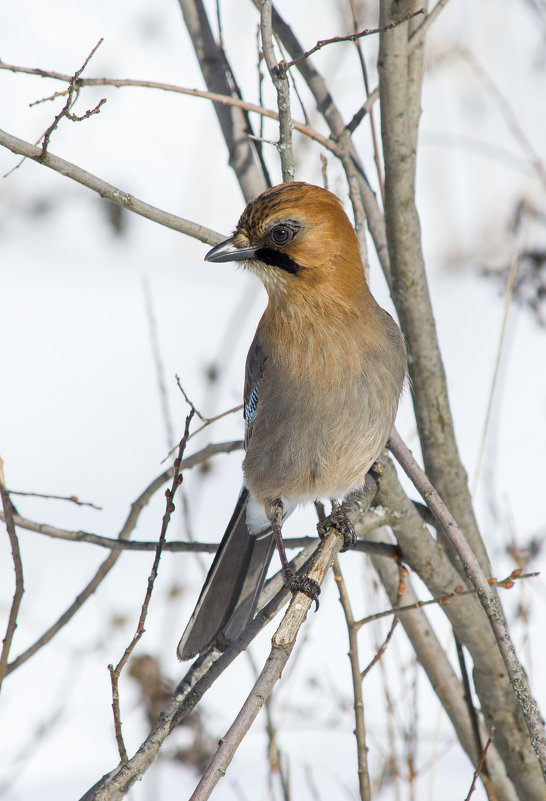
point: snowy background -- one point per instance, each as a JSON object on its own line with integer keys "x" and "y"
{"x": 80, "y": 409}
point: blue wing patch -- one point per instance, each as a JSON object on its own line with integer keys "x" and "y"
{"x": 251, "y": 406}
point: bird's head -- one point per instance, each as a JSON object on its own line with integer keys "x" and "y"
{"x": 295, "y": 237}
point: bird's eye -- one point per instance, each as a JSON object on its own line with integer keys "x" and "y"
{"x": 281, "y": 235}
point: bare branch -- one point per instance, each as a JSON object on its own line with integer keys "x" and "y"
{"x": 214, "y": 97}
{"x": 280, "y": 82}
{"x": 508, "y": 296}
{"x": 122, "y": 544}
{"x": 234, "y": 123}
{"x": 109, "y": 191}
{"x": 481, "y": 763}
{"x": 70, "y": 498}
{"x": 282, "y": 644}
{"x": 116, "y": 672}
{"x": 431, "y": 654}
{"x": 72, "y": 95}
{"x": 352, "y": 37}
{"x": 103, "y": 570}
{"x": 200, "y": 677}
{"x": 360, "y": 725}
{"x": 364, "y": 69}
{"x": 18, "y": 568}
{"x": 488, "y": 598}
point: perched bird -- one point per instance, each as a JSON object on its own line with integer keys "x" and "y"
{"x": 324, "y": 375}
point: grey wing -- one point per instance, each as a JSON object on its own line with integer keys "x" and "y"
{"x": 255, "y": 362}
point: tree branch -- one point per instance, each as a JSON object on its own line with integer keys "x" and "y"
{"x": 18, "y": 568}
{"x": 280, "y": 82}
{"x": 115, "y": 672}
{"x": 433, "y": 659}
{"x": 200, "y": 677}
{"x": 136, "y": 507}
{"x": 214, "y": 97}
{"x": 233, "y": 121}
{"x": 109, "y": 191}
{"x": 352, "y": 37}
{"x": 488, "y": 598}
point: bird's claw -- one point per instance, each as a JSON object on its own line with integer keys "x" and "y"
{"x": 298, "y": 583}
{"x": 338, "y": 519}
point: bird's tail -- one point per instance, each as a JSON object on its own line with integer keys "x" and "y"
{"x": 230, "y": 594}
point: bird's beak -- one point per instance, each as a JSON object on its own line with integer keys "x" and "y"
{"x": 226, "y": 251}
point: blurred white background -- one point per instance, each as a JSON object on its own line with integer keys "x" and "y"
{"x": 80, "y": 409}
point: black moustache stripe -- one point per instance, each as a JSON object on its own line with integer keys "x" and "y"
{"x": 276, "y": 258}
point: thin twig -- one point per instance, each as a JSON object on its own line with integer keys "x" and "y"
{"x": 360, "y": 725}
{"x": 383, "y": 647}
{"x": 72, "y": 94}
{"x": 443, "y": 600}
{"x": 507, "y": 302}
{"x": 206, "y": 420}
{"x": 116, "y": 672}
{"x": 214, "y": 97}
{"x": 481, "y": 762}
{"x": 19, "y": 582}
{"x": 352, "y": 37}
{"x": 468, "y": 697}
{"x": 48, "y": 497}
{"x": 134, "y": 545}
{"x": 103, "y": 570}
{"x": 364, "y": 70}
{"x": 369, "y": 523}
{"x": 158, "y": 361}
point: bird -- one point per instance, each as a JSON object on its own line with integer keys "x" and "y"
{"x": 324, "y": 375}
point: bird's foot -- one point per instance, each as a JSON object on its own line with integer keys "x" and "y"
{"x": 301, "y": 583}
{"x": 338, "y": 519}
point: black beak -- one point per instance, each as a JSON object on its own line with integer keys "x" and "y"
{"x": 226, "y": 251}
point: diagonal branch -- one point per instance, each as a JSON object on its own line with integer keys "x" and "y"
{"x": 109, "y": 191}
{"x": 197, "y": 681}
{"x": 352, "y": 37}
{"x": 488, "y": 598}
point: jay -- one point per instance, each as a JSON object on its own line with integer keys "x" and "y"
{"x": 324, "y": 374}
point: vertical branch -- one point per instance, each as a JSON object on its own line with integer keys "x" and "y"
{"x": 400, "y": 76}
{"x": 362, "y": 198}
{"x": 280, "y": 82}
{"x": 158, "y": 361}
{"x": 360, "y": 726}
{"x": 361, "y": 58}
{"x": 18, "y": 567}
